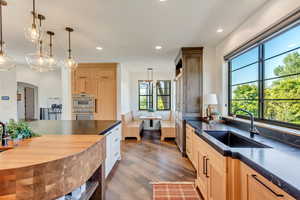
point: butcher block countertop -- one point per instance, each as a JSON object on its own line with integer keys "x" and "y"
{"x": 50, "y": 166}
{"x": 45, "y": 149}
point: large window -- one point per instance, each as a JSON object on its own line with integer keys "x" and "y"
{"x": 145, "y": 95}
{"x": 265, "y": 80}
{"x": 163, "y": 95}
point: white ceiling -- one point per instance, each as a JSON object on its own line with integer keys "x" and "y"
{"x": 128, "y": 30}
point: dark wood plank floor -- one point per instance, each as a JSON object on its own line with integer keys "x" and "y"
{"x": 143, "y": 162}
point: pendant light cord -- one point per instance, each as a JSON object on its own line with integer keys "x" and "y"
{"x": 51, "y": 45}
{"x": 33, "y": 13}
{"x": 41, "y": 47}
{"x": 70, "y": 45}
{"x": 1, "y": 32}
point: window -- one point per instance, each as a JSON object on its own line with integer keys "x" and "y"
{"x": 265, "y": 80}
{"x": 163, "y": 94}
{"x": 145, "y": 95}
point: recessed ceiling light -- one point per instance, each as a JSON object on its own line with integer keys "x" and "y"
{"x": 158, "y": 47}
{"x": 163, "y": 0}
{"x": 220, "y": 30}
{"x": 99, "y": 48}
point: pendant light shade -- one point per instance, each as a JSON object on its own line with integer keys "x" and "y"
{"x": 52, "y": 61}
{"x": 33, "y": 33}
{"x": 150, "y": 75}
{"x": 70, "y": 63}
{"x": 38, "y": 61}
{"x": 6, "y": 62}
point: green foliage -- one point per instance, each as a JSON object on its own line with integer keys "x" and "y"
{"x": 19, "y": 130}
{"x": 248, "y": 91}
{"x": 291, "y": 65}
{"x": 283, "y": 88}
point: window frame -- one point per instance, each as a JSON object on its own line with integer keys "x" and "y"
{"x": 169, "y": 95}
{"x": 262, "y": 79}
{"x": 139, "y": 96}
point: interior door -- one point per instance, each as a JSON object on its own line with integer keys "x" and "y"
{"x": 29, "y": 103}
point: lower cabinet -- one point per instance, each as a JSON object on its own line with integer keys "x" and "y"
{"x": 224, "y": 178}
{"x": 255, "y": 187}
{"x": 211, "y": 172}
{"x": 113, "y": 148}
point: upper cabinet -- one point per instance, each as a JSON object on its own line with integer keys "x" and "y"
{"x": 189, "y": 79}
{"x": 99, "y": 80}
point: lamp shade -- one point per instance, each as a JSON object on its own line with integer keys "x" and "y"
{"x": 210, "y": 99}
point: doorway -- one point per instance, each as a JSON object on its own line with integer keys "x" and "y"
{"x": 27, "y": 101}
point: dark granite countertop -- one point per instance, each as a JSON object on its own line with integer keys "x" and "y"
{"x": 72, "y": 127}
{"x": 280, "y": 164}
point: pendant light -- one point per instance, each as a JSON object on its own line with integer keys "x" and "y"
{"x": 33, "y": 33}
{"x": 150, "y": 75}
{"x": 38, "y": 61}
{"x": 70, "y": 63}
{"x": 6, "y": 63}
{"x": 52, "y": 61}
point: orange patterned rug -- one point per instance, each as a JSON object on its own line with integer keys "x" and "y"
{"x": 175, "y": 191}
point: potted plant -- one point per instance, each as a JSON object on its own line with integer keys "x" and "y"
{"x": 19, "y": 130}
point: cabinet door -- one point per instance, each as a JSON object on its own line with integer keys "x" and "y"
{"x": 258, "y": 190}
{"x": 255, "y": 187}
{"x": 216, "y": 182}
{"x": 82, "y": 81}
{"x": 202, "y": 178}
{"x": 106, "y": 96}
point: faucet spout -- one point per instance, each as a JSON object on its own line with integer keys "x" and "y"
{"x": 3, "y": 135}
{"x": 253, "y": 129}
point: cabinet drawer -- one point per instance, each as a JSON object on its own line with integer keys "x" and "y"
{"x": 254, "y": 186}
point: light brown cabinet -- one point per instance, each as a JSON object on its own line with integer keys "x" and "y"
{"x": 253, "y": 186}
{"x": 189, "y": 83}
{"x": 211, "y": 167}
{"x": 191, "y": 145}
{"x": 211, "y": 173}
{"x": 99, "y": 80}
{"x": 224, "y": 178}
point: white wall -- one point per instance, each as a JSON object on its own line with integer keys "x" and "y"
{"x": 124, "y": 86}
{"x": 8, "y": 87}
{"x": 48, "y": 83}
{"x": 66, "y": 85}
{"x": 266, "y": 16}
{"x": 133, "y": 85}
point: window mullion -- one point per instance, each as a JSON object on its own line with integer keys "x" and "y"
{"x": 260, "y": 82}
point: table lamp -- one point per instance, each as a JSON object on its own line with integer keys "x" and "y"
{"x": 210, "y": 100}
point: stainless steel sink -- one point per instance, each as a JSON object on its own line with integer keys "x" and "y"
{"x": 234, "y": 140}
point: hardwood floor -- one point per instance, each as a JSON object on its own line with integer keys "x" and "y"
{"x": 144, "y": 162}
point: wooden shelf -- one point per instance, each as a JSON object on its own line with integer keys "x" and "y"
{"x": 90, "y": 189}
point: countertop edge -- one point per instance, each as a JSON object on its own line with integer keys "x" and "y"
{"x": 118, "y": 122}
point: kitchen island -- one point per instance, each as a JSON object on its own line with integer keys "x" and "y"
{"x": 67, "y": 155}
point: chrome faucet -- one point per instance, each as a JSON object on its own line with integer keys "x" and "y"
{"x": 253, "y": 130}
{"x": 4, "y": 135}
